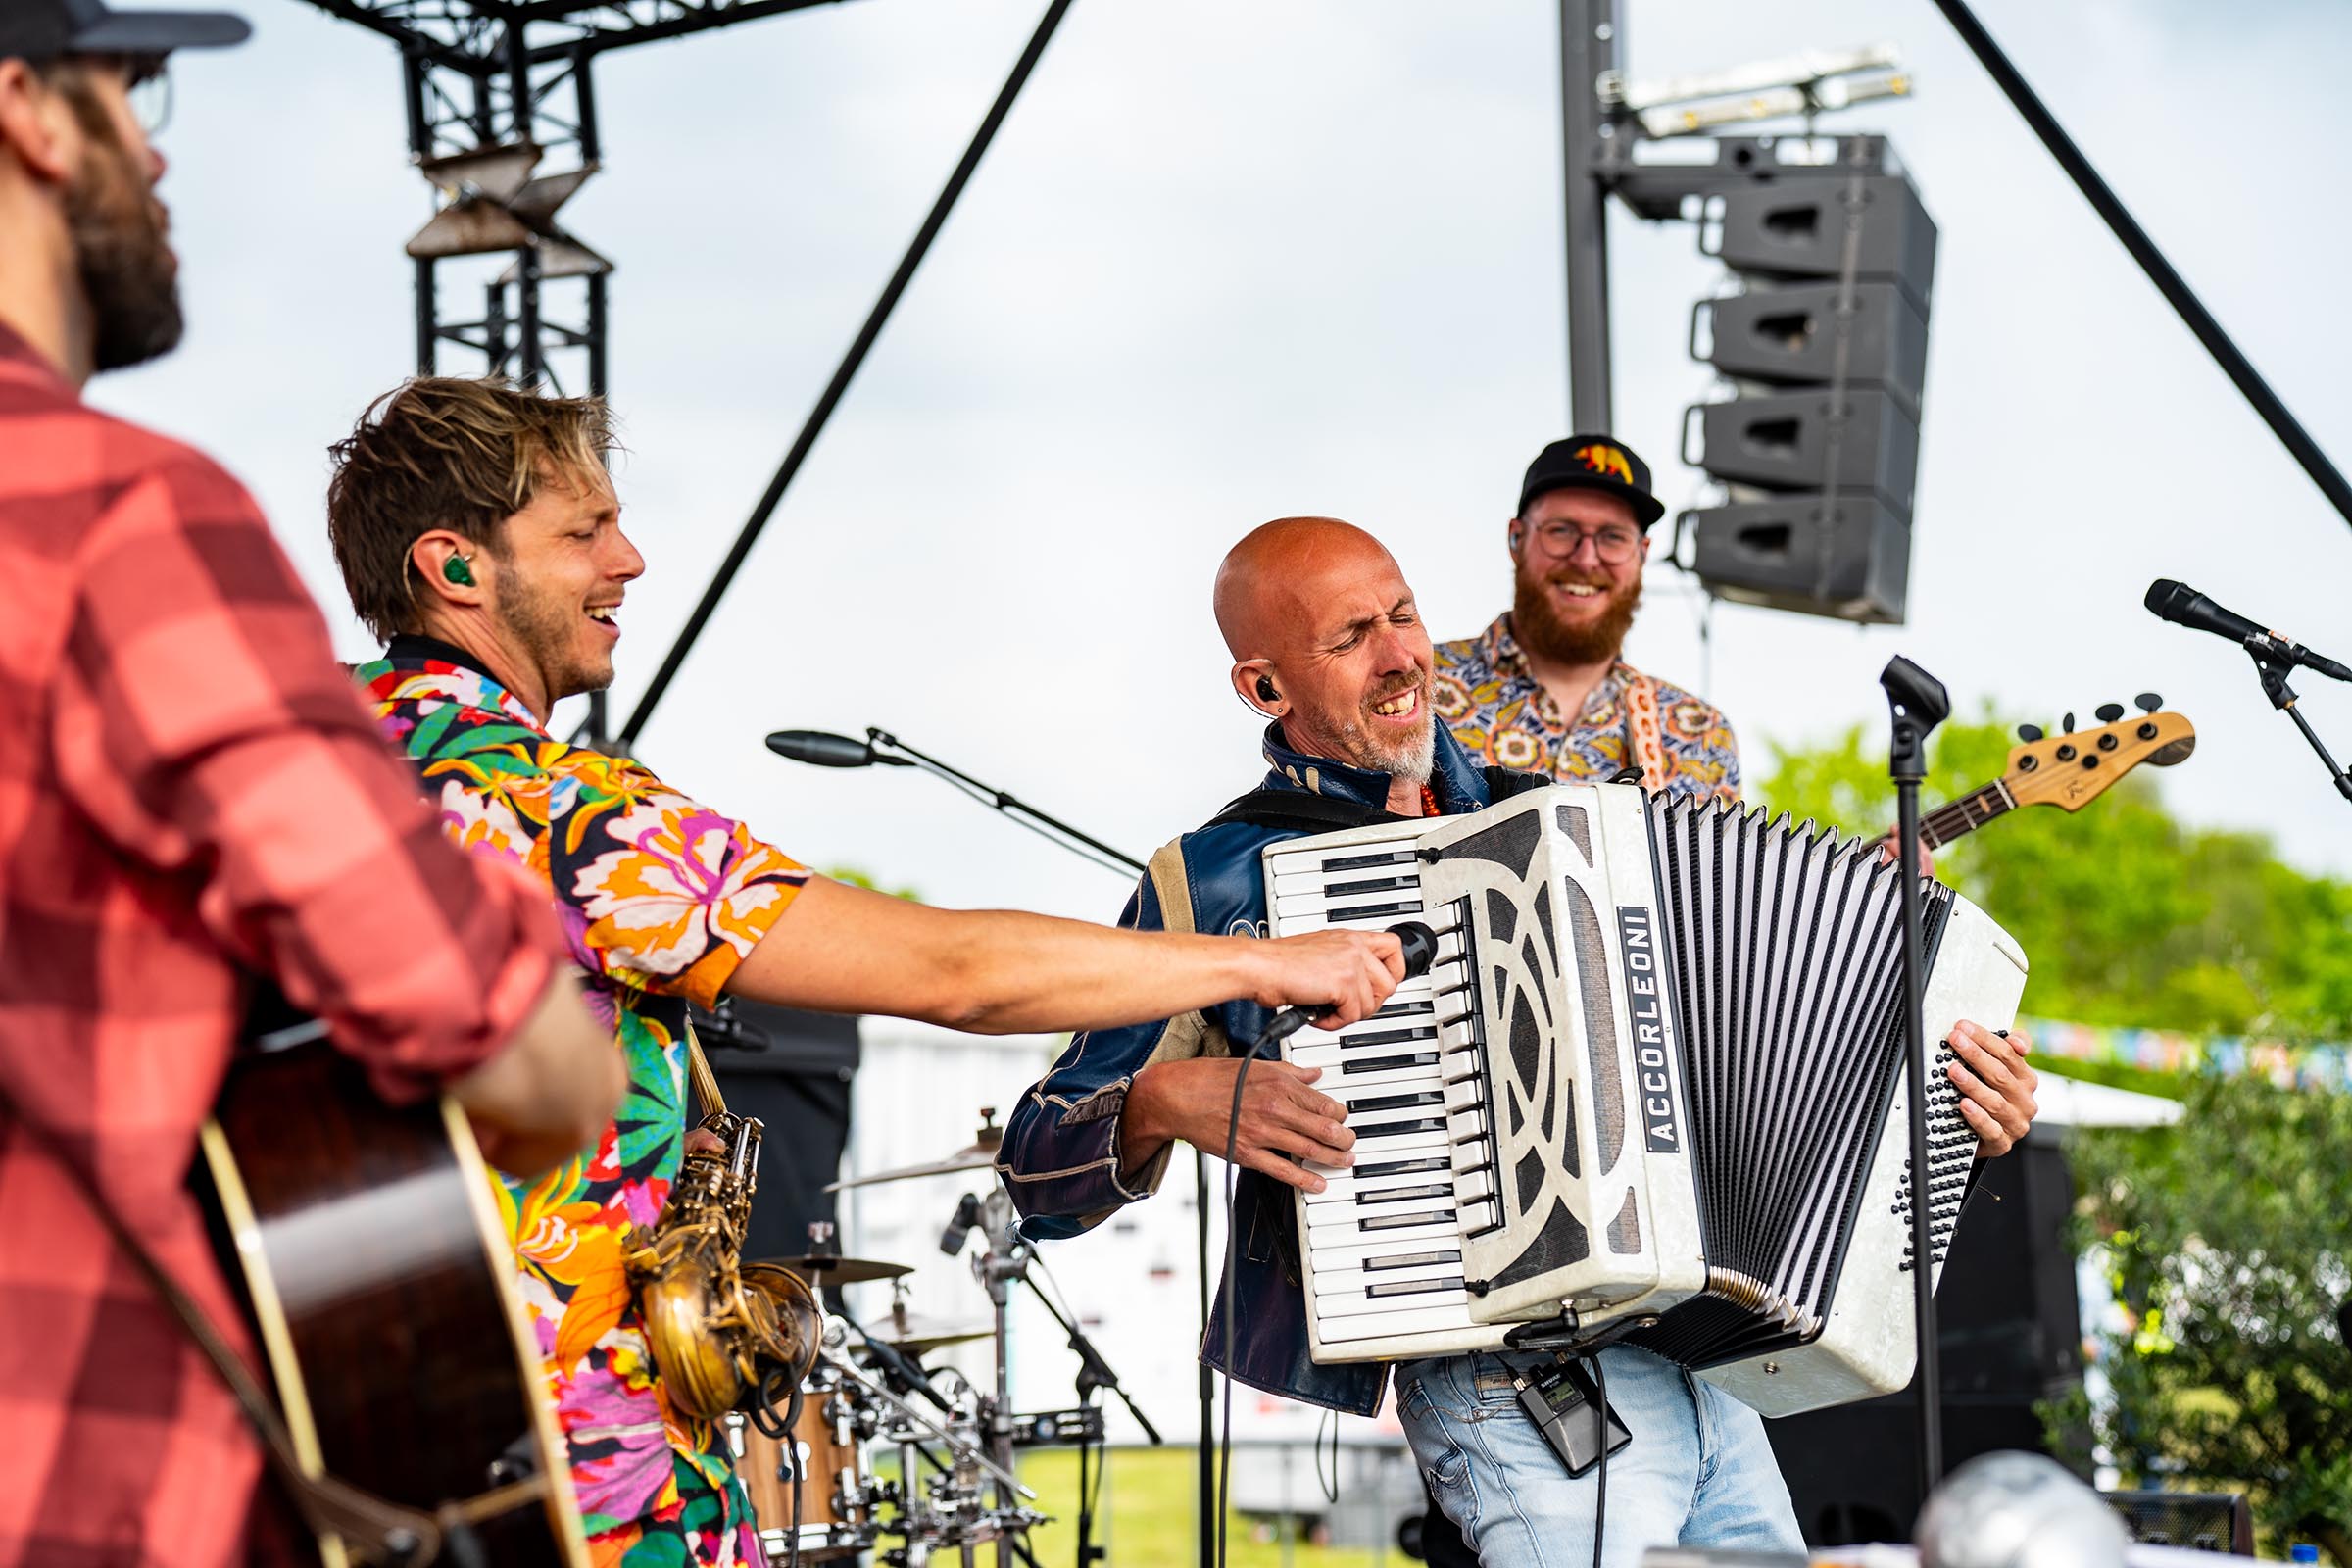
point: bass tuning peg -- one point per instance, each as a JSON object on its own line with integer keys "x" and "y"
{"x": 2029, "y": 734}
{"x": 2066, "y": 726}
{"x": 2109, "y": 713}
{"x": 2147, "y": 702}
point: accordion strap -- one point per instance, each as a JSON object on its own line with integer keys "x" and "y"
{"x": 1301, "y": 811}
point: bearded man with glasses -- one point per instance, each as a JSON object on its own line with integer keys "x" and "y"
{"x": 1545, "y": 689}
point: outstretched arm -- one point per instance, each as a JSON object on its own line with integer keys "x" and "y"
{"x": 840, "y": 949}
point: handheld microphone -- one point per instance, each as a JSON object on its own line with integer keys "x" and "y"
{"x": 822, "y": 747}
{"x": 959, "y": 1229}
{"x": 1420, "y": 944}
{"x": 2183, "y": 606}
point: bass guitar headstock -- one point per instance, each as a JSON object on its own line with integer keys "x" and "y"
{"x": 2069, "y": 769}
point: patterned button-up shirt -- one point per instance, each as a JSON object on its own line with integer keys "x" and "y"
{"x": 662, "y": 899}
{"x": 1485, "y": 695}
{"x": 189, "y": 796}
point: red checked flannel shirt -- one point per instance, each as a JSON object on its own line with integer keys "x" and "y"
{"x": 188, "y": 785}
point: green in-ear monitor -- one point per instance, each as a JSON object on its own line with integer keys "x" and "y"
{"x": 455, "y": 569}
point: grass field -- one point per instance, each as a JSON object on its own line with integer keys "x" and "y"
{"x": 1148, "y": 1517}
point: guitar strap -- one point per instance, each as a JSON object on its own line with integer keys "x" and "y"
{"x": 1645, "y": 731}
{"x": 376, "y": 1529}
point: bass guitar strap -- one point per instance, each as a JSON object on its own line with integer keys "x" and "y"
{"x": 1644, "y": 732}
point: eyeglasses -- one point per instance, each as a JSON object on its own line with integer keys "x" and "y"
{"x": 1614, "y": 543}
{"x": 150, "y": 87}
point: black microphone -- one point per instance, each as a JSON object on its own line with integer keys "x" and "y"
{"x": 959, "y": 1229}
{"x": 908, "y": 1372}
{"x": 2183, "y": 606}
{"x": 822, "y": 747}
{"x": 1420, "y": 947}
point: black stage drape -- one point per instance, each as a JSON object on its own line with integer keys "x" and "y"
{"x": 798, "y": 1083}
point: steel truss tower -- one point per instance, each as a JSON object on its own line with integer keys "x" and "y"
{"x": 495, "y": 90}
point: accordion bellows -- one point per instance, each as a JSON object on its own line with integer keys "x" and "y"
{"x": 1656, "y": 1068}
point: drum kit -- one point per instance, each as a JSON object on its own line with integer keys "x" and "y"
{"x": 816, "y": 1491}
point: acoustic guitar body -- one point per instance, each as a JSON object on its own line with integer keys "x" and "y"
{"x": 377, "y": 1277}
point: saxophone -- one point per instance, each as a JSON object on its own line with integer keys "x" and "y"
{"x": 723, "y": 1334}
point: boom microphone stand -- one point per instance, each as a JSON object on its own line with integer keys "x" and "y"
{"x": 1917, "y": 703}
{"x": 2274, "y": 654}
{"x": 2272, "y": 671}
{"x": 823, "y": 749}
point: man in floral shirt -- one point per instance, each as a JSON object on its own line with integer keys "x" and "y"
{"x": 477, "y": 531}
{"x": 1578, "y": 544}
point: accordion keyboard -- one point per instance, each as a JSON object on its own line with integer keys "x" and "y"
{"x": 1384, "y": 1237}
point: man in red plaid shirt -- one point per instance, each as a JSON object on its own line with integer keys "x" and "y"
{"x": 190, "y": 798}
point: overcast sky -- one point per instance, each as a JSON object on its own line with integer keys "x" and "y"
{"x": 1235, "y": 259}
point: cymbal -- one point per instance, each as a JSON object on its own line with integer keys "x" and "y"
{"x": 917, "y": 1334}
{"x": 978, "y": 1155}
{"x": 826, "y": 1270}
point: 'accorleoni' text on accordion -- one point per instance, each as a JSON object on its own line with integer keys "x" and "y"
{"x": 1656, "y": 1069}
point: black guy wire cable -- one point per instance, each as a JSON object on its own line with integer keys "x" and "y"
{"x": 850, "y": 364}
{"x": 2170, "y": 283}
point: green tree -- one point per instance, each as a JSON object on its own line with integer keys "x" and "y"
{"x": 2128, "y": 917}
{"x": 2225, "y": 1245}
{"x": 2226, "y": 1236}
{"x": 860, "y": 879}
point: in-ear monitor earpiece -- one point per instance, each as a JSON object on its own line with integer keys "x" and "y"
{"x": 1266, "y": 691}
{"x": 457, "y": 570}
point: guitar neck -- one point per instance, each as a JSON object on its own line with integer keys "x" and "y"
{"x": 1966, "y": 815}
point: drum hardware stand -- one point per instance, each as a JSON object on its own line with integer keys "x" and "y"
{"x": 1004, "y": 1258}
{"x": 908, "y": 1413}
{"x": 1094, "y": 1373}
{"x": 1917, "y": 703}
{"x": 2272, "y": 671}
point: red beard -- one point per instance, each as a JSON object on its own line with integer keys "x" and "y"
{"x": 1541, "y": 632}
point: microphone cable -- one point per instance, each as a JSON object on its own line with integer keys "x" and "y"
{"x": 1600, "y": 1483}
{"x": 1233, "y": 1135}
{"x": 1419, "y": 947}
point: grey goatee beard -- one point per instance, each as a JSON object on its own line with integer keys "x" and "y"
{"x": 1411, "y": 760}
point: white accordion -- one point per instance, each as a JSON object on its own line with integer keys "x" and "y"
{"x": 1656, "y": 1068}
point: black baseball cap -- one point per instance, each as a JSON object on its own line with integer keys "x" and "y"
{"x": 1593, "y": 463}
{"x": 40, "y": 30}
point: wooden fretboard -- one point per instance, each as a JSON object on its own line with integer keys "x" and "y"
{"x": 1966, "y": 815}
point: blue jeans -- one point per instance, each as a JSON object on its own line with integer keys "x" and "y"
{"x": 1697, "y": 1473}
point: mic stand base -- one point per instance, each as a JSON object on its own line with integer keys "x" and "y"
{"x": 2273, "y": 686}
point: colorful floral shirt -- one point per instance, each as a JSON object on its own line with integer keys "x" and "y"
{"x": 1485, "y": 695}
{"x": 660, "y": 898}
